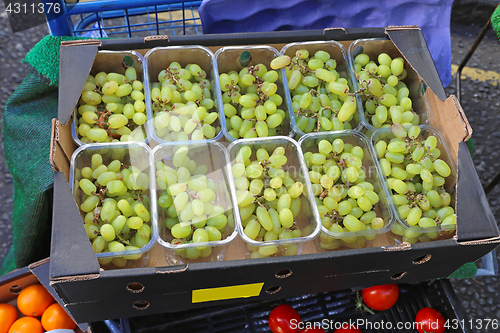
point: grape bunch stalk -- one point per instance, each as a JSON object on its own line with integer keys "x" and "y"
{"x": 190, "y": 205}
{"x": 115, "y": 207}
{"x": 112, "y": 108}
{"x": 269, "y": 200}
{"x": 251, "y": 102}
{"x": 182, "y": 103}
{"x": 321, "y": 99}
{"x": 416, "y": 176}
{"x": 384, "y": 93}
{"x": 346, "y": 201}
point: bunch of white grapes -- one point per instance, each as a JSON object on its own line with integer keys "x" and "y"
{"x": 269, "y": 199}
{"x": 190, "y": 206}
{"x": 346, "y": 200}
{"x": 321, "y": 99}
{"x": 251, "y": 102}
{"x": 115, "y": 207}
{"x": 385, "y": 95}
{"x": 112, "y": 108}
{"x": 416, "y": 177}
{"x": 183, "y": 106}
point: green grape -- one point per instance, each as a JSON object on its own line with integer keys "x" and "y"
{"x": 352, "y": 223}
{"x": 414, "y": 216}
{"x": 87, "y": 186}
{"x": 181, "y": 230}
{"x": 107, "y": 232}
{"x": 286, "y": 218}
{"x": 98, "y": 244}
{"x": 344, "y": 208}
{"x": 324, "y": 147}
{"x": 375, "y": 87}
{"x": 90, "y": 203}
{"x": 442, "y": 168}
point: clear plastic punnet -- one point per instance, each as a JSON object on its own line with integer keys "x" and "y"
{"x": 195, "y": 211}
{"x": 408, "y": 84}
{"x": 236, "y": 116}
{"x": 182, "y": 100}
{"x": 431, "y": 210}
{"x": 272, "y": 195}
{"x": 347, "y": 185}
{"x": 341, "y": 66}
{"x": 107, "y": 109}
{"x": 113, "y": 189}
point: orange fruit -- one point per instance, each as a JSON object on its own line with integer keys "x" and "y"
{"x": 34, "y": 300}
{"x": 26, "y": 325}
{"x": 8, "y": 315}
{"x": 55, "y": 317}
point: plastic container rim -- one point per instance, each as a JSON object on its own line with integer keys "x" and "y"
{"x": 222, "y": 242}
{"x": 364, "y": 138}
{"x": 310, "y": 194}
{"x": 350, "y": 53}
{"x": 148, "y": 93}
{"x": 144, "y": 67}
{"x": 453, "y": 168}
{"x": 152, "y": 208}
{"x": 349, "y": 68}
{"x": 282, "y": 74}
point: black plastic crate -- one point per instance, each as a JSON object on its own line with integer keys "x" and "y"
{"x": 339, "y": 306}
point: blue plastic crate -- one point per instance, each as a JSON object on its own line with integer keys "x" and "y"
{"x": 124, "y": 18}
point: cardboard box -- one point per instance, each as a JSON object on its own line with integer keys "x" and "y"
{"x": 91, "y": 293}
{"x": 11, "y": 284}
{"x": 327, "y": 309}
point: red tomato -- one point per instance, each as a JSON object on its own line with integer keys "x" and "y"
{"x": 346, "y": 328}
{"x": 430, "y": 321}
{"x": 313, "y": 330}
{"x": 381, "y": 297}
{"x": 284, "y": 319}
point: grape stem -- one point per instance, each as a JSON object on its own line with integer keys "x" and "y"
{"x": 302, "y": 69}
{"x": 123, "y": 240}
{"x": 258, "y": 201}
{"x": 334, "y": 217}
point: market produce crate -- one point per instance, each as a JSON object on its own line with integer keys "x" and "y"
{"x": 327, "y": 310}
{"x": 92, "y": 293}
{"x": 11, "y": 285}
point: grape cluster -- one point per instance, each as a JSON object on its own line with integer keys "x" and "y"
{"x": 346, "y": 201}
{"x": 189, "y": 203}
{"x": 416, "y": 177}
{"x": 183, "y": 107}
{"x": 111, "y": 108}
{"x": 115, "y": 207}
{"x": 321, "y": 99}
{"x": 385, "y": 95}
{"x": 251, "y": 102}
{"x": 269, "y": 199}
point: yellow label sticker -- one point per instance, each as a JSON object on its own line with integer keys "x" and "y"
{"x": 221, "y": 293}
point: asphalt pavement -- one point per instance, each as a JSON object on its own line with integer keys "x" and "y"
{"x": 480, "y": 100}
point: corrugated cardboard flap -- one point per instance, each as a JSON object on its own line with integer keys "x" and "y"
{"x": 417, "y": 54}
{"x": 62, "y": 147}
{"x": 156, "y": 37}
{"x": 449, "y": 119}
{"x": 76, "y": 61}
{"x": 469, "y": 194}
{"x": 71, "y": 252}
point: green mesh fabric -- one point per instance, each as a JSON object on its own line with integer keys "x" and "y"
{"x": 466, "y": 271}
{"x": 495, "y": 21}
{"x": 45, "y": 57}
{"x": 26, "y": 132}
{"x": 27, "y": 125}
